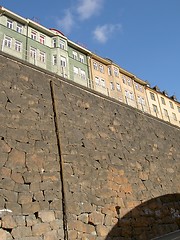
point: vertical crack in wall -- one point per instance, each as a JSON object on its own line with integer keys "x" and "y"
{"x": 60, "y": 162}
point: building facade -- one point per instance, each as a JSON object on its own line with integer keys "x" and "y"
{"x": 51, "y": 50}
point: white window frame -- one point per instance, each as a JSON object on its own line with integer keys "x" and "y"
{"x": 9, "y": 23}
{"x": 101, "y": 68}
{"x": 62, "y": 44}
{"x": 42, "y": 57}
{"x": 19, "y": 28}
{"x": 118, "y": 86}
{"x": 63, "y": 61}
{"x": 102, "y": 83}
{"x": 76, "y": 70}
{"x": 54, "y": 59}
{"x": 109, "y": 71}
{"x": 83, "y": 74}
{"x": 7, "y": 41}
{"x": 33, "y": 52}
{"x": 42, "y": 39}
{"x": 81, "y": 58}
{"x": 75, "y": 55}
{"x": 54, "y": 42}
{"x": 33, "y": 35}
{"x": 97, "y": 81}
{"x": 18, "y": 46}
{"x": 95, "y": 65}
{"x": 116, "y": 72}
{"x": 141, "y": 100}
{"x": 111, "y": 85}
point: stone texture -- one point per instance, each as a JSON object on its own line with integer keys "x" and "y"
{"x": 115, "y": 159}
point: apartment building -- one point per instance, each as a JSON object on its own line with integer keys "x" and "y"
{"x": 162, "y": 106}
{"x": 79, "y": 64}
{"x": 99, "y": 73}
{"x": 51, "y": 50}
{"x": 30, "y": 41}
{"x": 114, "y": 81}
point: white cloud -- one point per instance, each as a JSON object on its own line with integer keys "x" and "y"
{"x": 104, "y": 32}
{"x": 67, "y": 22}
{"x": 87, "y": 8}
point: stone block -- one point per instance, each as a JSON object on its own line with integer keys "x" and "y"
{"x": 96, "y": 218}
{"x": 4, "y": 235}
{"x": 20, "y": 220}
{"x": 8, "y": 222}
{"x": 52, "y": 235}
{"x": 17, "y": 177}
{"x": 46, "y": 216}
{"x": 29, "y": 208}
{"x": 25, "y": 198}
{"x": 31, "y": 177}
{"x": 16, "y": 159}
{"x": 31, "y": 220}
{"x": 21, "y": 232}
{"x": 40, "y": 229}
{"x": 102, "y": 231}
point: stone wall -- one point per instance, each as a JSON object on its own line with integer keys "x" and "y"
{"x": 75, "y": 164}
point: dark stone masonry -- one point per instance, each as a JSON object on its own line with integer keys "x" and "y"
{"x": 75, "y": 164}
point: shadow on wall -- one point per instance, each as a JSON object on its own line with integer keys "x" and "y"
{"x": 151, "y": 219}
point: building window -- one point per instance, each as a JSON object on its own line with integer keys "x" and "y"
{"x": 103, "y": 83}
{"x": 33, "y": 52}
{"x": 124, "y": 79}
{"x": 174, "y": 116}
{"x": 54, "y": 42}
{"x": 109, "y": 71}
{"x": 97, "y": 81}
{"x": 54, "y": 59}
{"x": 19, "y": 28}
{"x": 141, "y": 100}
{"x": 75, "y": 55}
{"x": 101, "y": 68}
{"x": 165, "y": 113}
{"x": 95, "y": 65}
{"x": 42, "y": 39}
{"x": 178, "y": 109}
{"x": 62, "y": 44}
{"x": 111, "y": 85}
{"x": 129, "y": 82}
{"x": 152, "y": 96}
{"x": 137, "y": 86}
{"x": 171, "y": 105}
{"x": 9, "y": 24}
{"x": 63, "y": 61}
{"x": 83, "y": 74}
{"x": 163, "y": 101}
{"x": 118, "y": 86}
{"x": 33, "y": 35}
{"x": 141, "y": 88}
{"x": 81, "y": 58}
{"x": 18, "y": 46}
{"x": 116, "y": 72}
{"x": 129, "y": 95}
{"x": 42, "y": 56}
{"x": 155, "y": 108}
{"x": 76, "y": 70}
{"x": 8, "y": 42}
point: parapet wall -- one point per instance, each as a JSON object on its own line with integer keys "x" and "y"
{"x": 77, "y": 165}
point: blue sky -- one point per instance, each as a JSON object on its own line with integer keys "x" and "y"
{"x": 142, "y": 36}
